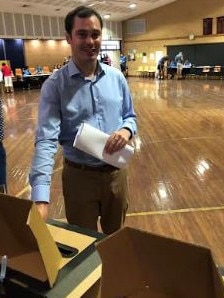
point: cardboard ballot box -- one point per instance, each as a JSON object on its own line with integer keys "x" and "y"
{"x": 137, "y": 264}
{"x": 55, "y": 260}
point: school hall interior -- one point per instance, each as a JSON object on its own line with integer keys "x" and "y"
{"x": 176, "y": 175}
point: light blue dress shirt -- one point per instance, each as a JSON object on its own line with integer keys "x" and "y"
{"x": 67, "y": 100}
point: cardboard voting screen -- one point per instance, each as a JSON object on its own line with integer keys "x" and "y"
{"x": 34, "y": 260}
{"x": 138, "y": 264}
{"x": 27, "y": 241}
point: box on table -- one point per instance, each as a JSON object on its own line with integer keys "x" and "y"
{"x": 35, "y": 266}
{"x": 138, "y": 264}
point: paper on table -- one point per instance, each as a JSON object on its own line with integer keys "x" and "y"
{"x": 92, "y": 141}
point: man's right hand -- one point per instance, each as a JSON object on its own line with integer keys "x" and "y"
{"x": 43, "y": 209}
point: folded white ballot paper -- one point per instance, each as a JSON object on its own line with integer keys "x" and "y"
{"x": 92, "y": 141}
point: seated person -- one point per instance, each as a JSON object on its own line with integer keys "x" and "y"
{"x": 187, "y": 68}
{"x": 56, "y": 67}
{"x": 172, "y": 69}
{"x": 187, "y": 64}
{"x": 26, "y": 80}
{"x": 39, "y": 69}
{"x": 26, "y": 71}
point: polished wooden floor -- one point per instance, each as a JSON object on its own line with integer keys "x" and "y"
{"x": 176, "y": 177}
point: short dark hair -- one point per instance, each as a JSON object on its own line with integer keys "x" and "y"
{"x": 81, "y": 12}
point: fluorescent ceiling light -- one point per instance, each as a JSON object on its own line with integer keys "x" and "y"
{"x": 132, "y": 6}
{"x": 106, "y": 16}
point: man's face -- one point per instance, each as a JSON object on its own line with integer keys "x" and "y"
{"x": 85, "y": 39}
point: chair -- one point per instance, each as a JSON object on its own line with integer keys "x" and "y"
{"x": 140, "y": 71}
{"x": 216, "y": 72}
{"x": 152, "y": 72}
{"x": 46, "y": 69}
{"x": 18, "y": 72}
{"x": 205, "y": 71}
{"x": 32, "y": 70}
{"x": 145, "y": 72}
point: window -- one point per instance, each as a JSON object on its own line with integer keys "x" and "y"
{"x": 110, "y": 45}
{"x": 220, "y": 25}
{"x": 207, "y": 26}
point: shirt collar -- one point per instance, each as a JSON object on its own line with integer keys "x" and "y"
{"x": 73, "y": 70}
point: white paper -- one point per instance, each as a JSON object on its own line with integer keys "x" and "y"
{"x": 92, "y": 141}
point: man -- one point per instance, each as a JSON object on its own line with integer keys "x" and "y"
{"x": 161, "y": 65}
{"x": 179, "y": 59}
{"x": 84, "y": 90}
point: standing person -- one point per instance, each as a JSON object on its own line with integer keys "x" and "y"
{"x": 123, "y": 64}
{"x": 55, "y": 68}
{"x": 66, "y": 60}
{"x": 84, "y": 90}
{"x": 7, "y": 73}
{"x": 107, "y": 59}
{"x": 161, "y": 66}
{"x": 2, "y": 151}
{"x": 1, "y": 82}
{"x": 179, "y": 59}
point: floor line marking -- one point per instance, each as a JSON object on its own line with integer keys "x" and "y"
{"x": 163, "y": 212}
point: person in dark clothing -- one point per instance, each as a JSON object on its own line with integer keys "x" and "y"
{"x": 107, "y": 60}
{"x": 26, "y": 78}
{"x": 123, "y": 64}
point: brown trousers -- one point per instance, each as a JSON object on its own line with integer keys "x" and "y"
{"x": 91, "y": 193}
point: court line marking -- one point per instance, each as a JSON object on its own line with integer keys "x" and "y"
{"x": 175, "y": 211}
{"x": 158, "y": 212}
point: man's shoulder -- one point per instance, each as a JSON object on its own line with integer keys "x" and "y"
{"x": 60, "y": 73}
{"x": 113, "y": 72}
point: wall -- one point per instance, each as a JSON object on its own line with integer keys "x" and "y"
{"x": 51, "y": 52}
{"x": 172, "y": 25}
{"x": 25, "y": 26}
{"x": 45, "y": 52}
{"x": 12, "y": 46}
{"x": 44, "y": 38}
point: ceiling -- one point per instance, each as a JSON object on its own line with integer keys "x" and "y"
{"x": 118, "y": 9}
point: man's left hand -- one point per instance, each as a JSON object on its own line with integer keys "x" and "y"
{"x": 117, "y": 140}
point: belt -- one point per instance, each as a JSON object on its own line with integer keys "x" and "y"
{"x": 104, "y": 168}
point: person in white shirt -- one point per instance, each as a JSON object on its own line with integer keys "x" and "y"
{"x": 179, "y": 59}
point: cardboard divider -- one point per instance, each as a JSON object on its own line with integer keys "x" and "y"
{"x": 138, "y": 264}
{"x": 35, "y": 265}
{"x": 135, "y": 263}
{"x": 27, "y": 242}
